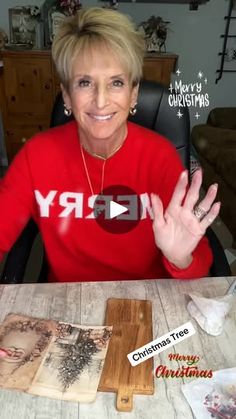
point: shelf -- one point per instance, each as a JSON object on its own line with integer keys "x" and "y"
{"x": 193, "y": 4}
{"x": 226, "y": 71}
{"x": 162, "y": 1}
{"x": 228, "y": 36}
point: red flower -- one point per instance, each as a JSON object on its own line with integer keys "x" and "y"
{"x": 70, "y": 5}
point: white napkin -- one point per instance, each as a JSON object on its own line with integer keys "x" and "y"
{"x": 213, "y": 398}
{"x": 210, "y": 313}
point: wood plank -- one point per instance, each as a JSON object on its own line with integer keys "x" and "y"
{"x": 132, "y": 328}
{"x": 168, "y": 400}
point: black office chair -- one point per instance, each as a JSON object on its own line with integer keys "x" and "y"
{"x": 153, "y": 112}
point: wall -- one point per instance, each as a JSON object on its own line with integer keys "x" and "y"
{"x": 194, "y": 36}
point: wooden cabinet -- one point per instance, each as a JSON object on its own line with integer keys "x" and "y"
{"x": 158, "y": 67}
{"x": 29, "y": 95}
{"x": 29, "y": 86}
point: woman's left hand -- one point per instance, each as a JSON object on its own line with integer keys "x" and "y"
{"x": 178, "y": 230}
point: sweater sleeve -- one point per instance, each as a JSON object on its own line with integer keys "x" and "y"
{"x": 199, "y": 267}
{"x": 16, "y": 200}
{"x": 202, "y": 255}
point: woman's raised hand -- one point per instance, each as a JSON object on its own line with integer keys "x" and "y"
{"x": 178, "y": 230}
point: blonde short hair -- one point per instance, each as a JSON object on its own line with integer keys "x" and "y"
{"x": 95, "y": 27}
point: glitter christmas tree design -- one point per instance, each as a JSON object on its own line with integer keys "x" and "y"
{"x": 75, "y": 358}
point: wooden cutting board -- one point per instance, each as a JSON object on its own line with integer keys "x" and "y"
{"x": 132, "y": 328}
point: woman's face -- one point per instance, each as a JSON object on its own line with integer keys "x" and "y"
{"x": 18, "y": 345}
{"x": 100, "y": 95}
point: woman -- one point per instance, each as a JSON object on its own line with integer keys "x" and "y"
{"x": 98, "y": 55}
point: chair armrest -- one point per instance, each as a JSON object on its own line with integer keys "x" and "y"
{"x": 222, "y": 118}
{"x": 15, "y": 265}
{"x": 207, "y": 136}
{"x": 220, "y": 265}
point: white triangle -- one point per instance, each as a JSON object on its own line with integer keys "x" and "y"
{"x": 116, "y": 209}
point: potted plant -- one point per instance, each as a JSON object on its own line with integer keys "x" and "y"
{"x": 155, "y": 30}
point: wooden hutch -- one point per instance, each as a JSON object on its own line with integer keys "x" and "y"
{"x": 29, "y": 85}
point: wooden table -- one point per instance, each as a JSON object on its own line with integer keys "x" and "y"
{"x": 85, "y": 303}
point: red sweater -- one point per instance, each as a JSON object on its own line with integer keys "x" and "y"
{"x": 48, "y": 173}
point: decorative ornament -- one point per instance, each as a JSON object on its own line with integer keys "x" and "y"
{"x": 70, "y": 6}
{"x": 155, "y": 31}
{"x": 230, "y": 54}
{"x": 112, "y": 4}
{"x": 3, "y": 38}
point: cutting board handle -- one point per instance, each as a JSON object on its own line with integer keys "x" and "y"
{"x": 124, "y": 402}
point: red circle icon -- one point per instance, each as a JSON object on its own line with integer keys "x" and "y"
{"x": 117, "y": 209}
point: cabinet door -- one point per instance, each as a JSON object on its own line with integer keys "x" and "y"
{"x": 158, "y": 67}
{"x": 152, "y": 70}
{"x": 28, "y": 84}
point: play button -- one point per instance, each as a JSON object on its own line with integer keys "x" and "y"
{"x": 118, "y": 209}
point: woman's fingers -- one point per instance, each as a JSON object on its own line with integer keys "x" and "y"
{"x": 157, "y": 208}
{"x": 211, "y": 215}
{"x": 193, "y": 192}
{"x": 179, "y": 192}
{"x": 209, "y": 198}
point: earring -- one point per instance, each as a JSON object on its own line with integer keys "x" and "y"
{"x": 67, "y": 112}
{"x": 133, "y": 110}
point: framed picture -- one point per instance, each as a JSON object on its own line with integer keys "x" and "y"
{"x": 22, "y": 26}
{"x": 55, "y": 18}
{"x": 52, "y": 15}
